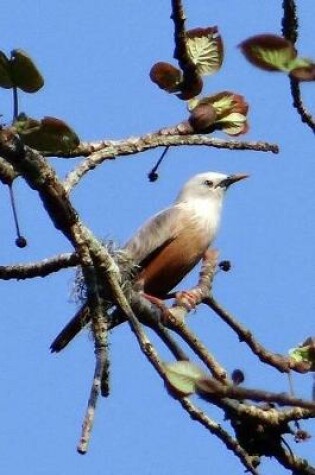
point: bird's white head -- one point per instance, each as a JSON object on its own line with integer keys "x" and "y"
{"x": 210, "y": 186}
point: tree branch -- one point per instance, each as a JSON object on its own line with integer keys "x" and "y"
{"x": 39, "y": 269}
{"x": 305, "y": 115}
{"x": 249, "y": 462}
{"x": 282, "y": 363}
{"x": 210, "y": 387}
{"x": 296, "y": 464}
{"x": 7, "y": 172}
{"x": 290, "y": 29}
{"x": 191, "y": 77}
{"x": 98, "y": 152}
{"x": 290, "y": 23}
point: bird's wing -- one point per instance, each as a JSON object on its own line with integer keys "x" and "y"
{"x": 154, "y": 235}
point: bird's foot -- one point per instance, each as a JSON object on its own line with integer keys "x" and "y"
{"x": 187, "y": 299}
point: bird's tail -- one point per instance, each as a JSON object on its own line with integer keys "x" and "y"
{"x": 128, "y": 270}
{"x": 79, "y": 321}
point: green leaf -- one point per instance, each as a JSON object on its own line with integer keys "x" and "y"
{"x": 5, "y": 72}
{"x": 301, "y": 63}
{"x": 192, "y": 103}
{"x": 24, "y": 73}
{"x": 205, "y": 48}
{"x": 233, "y": 124}
{"x": 269, "y": 52}
{"x": 305, "y": 353}
{"x": 47, "y": 135}
{"x": 25, "y": 124}
{"x": 182, "y": 377}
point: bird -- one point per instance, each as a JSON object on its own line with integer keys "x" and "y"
{"x": 170, "y": 244}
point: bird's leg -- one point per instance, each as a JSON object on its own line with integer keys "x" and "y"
{"x": 187, "y": 299}
{"x": 155, "y": 300}
{"x": 166, "y": 315}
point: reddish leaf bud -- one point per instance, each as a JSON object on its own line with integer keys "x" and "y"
{"x": 166, "y": 76}
{"x": 202, "y": 117}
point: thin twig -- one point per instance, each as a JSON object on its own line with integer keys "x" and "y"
{"x": 150, "y": 316}
{"x": 283, "y": 364}
{"x": 15, "y": 103}
{"x": 215, "y": 428}
{"x": 295, "y": 464}
{"x": 290, "y": 30}
{"x": 306, "y": 117}
{"x": 290, "y": 24}
{"x": 153, "y": 175}
{"x": 200, "y": 350}
{"x": 191, "y": 76}
{"x": 39, "y": 269}
{"x": 102, "y": 348}
{"x": 14, "y": 210}
{"x": 167, "y": 339}
{"x": 210, "y": 387}
{"x": 90, "y": 413}
{"x": 88, "y": 421}
{"x": 100, "y": 331}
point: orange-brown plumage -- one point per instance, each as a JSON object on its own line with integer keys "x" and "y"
{"x": 166, "y": 269}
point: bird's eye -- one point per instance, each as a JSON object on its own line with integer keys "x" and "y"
{"x": 208, "y": 183}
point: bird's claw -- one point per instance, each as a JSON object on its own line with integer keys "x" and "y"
{"x": 186, "y": 299}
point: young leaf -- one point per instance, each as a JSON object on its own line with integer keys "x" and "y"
{"x": 230, "y": 111}
{"x": 224, "y": 103}
{"x": 190, "y": 88}
{"x": 205, "y": 48}
{"x": 5, "y": 72}
{"x": 182, "y": 377}
{"x": 25, "y": 124}
{"x": 48, "y": 135}
{"x": 233, "y": 124}
{"x": 305, "y": 353}
{"x": 304, "y": 73}
{"x": 166, "y": 76}
{"x": 170, "y": 79}
{"x": 269, "y": 52}
{"x": 24, "y": 73}
{"x": 202, "y": 118}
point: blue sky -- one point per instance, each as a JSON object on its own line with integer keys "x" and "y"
{"x": 95, "y": 59}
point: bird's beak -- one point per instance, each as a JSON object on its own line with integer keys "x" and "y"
{"x": 231, "y": 179}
